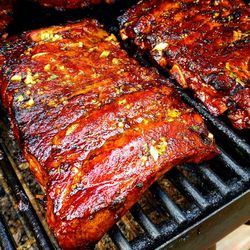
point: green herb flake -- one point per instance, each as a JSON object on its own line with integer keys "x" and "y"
{"x": 139, "y": 185}
{"x": 195, "y": 128}
{"x": 53, "y": 77}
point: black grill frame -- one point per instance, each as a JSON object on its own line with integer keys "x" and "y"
{"x": 202, "y": 227}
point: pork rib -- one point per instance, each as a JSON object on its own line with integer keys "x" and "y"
{"x": 206, "y": 46}
{"x": 96, "y": 128}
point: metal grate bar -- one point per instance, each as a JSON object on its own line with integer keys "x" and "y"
{"x": 144, "y": 221}
{"x": 172, "y": 208}
{"x": 118, "y": 238}
{"x": 6, "y": 240}
{"x": 236, "y": 168}
{"x": 182, "y": 183}
{"x": 21, "y": 197}
{"x": 214, "y": 179}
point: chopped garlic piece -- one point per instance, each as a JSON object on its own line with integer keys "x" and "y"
{"x": 162, "y": 147}
{"x": 144, "y": 158}
{"x": 30, "y": 102}
{"x": 47, "y": 67}
{"x": 29, "y": 79}
{"x": 120, "y": 125}
{"x": 49, "y": 36}
{"x": 104, "y": 54}
{"x": 16, "y": 78}
{"x": 39, "y": 54}
{"x": 227, "y": 66}
{"x": 173, "y": 113}
{"x": 71, "y": 129}
{"x": 115, "y": 61}
{"x": 111, "y": 38}
{"x": 154, "y": 153}
{"x": 20, "y": 98}
{"x": 210, "y": 136}
{"x": 122, "y": 102}
{"x": 160, "y": 46}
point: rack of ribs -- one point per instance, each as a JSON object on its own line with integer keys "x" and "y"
{"x": 205, "y": 45}
{"x": 96, "y": 127}
{"x": 70, "y": 4}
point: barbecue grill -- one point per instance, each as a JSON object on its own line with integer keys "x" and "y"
{"x": 191, "y": 206}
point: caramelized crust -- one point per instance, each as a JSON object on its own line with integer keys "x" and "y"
{"x": 206, "y": 46}
{"x": 71, "y": 4}
{"x": 96, "y": 127}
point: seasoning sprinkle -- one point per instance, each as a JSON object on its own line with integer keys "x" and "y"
{"x": 105, "y": 54}
{"x": 52, "y": 77}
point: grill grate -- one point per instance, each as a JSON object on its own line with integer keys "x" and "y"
{"x": 7, "y": 241}
{"x": 20, "y": 196}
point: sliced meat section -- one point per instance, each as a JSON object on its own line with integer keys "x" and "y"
{"x": 205, "y": 45}
{"x": 70, "y": 4}
{"x": 96, "y": 127}
{"x": 54, "y": 76}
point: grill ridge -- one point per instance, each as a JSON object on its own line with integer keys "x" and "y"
{"x": 7, "y": 241}
{"x": 22, "y": 198}
{"x": 119, "y": 239}
{"x": 172, "y": 208}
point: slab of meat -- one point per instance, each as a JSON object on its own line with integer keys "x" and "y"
{"x": 96, "y": 128}
{"x": 6, "y": 9}
{"x": 71, "y": 4}
{"x": 206, "y": 46}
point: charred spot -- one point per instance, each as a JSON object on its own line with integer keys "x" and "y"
{"x": 77, "y": 188}
{"x": 183, "y": 5}
{"x": 64, "y": 166}
{"x": 196, "y": 52}
{"x": 191, "y": 66}
{"x": 237, "y": 14}
{"x": 57, "y": 150}
{"x": 92, "y": 156}
{"x": 151, "y": 38}
{"x": 205, "y": 139}
{"x": 184, "y": 49}
{"x": 169, "y": 53}
{"x": 214, "y": 81}
{"x": 236, "y": 89}
{"x": 195, "y": 128}
{"x": 206, "y": 41}
{"x": 139, "y": 185}
{"x": 117, "y": 203}
{"x": 218, "y": 85}
{"x": 33, "y": 139}
{"x": 73, "y": 147}
{"x": 231, "y": 104}
{"x": 57, "y": 206}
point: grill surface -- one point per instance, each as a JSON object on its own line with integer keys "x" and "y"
{"x": 189, "y": 204}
